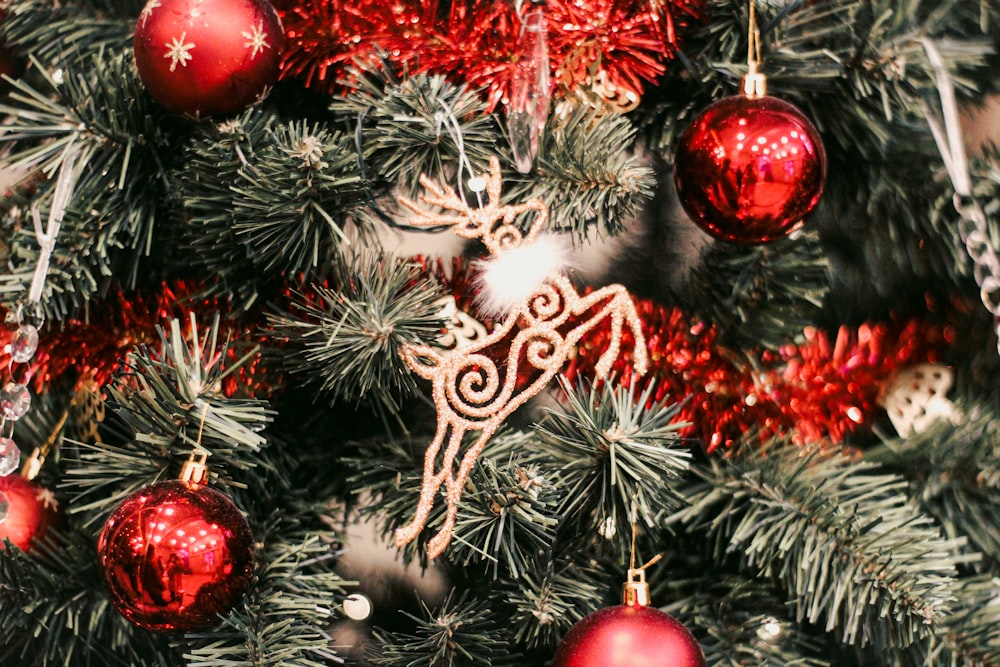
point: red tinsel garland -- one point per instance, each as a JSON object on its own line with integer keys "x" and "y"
{"x": 90, "y": 349}
{"x": 820, "y": 390}
{"x": 476, "y": 42}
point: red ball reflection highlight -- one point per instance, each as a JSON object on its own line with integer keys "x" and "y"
{"x": 176, "y": 555}
{"x": 748, "y": 170}
{"x": 629, "y": 636}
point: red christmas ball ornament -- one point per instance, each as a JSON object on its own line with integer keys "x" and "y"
{"x": 749, "y": 168}
{"x": 629, "y": 635}
{"x": 176, "y": 555}
{"x": 208, "y": 57}
{"x": 27, "y": 510}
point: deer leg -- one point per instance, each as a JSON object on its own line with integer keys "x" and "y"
{"x": 432, "y": 481}
{"x": 440, "y": 541}
{"x": 640, "y": 355}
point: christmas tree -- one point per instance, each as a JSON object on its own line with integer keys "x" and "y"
{"x": 530, "y": 299}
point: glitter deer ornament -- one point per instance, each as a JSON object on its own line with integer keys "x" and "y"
{"x": 470, "y": 391}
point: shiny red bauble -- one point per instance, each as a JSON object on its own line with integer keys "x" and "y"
{"x": 208, "y": 57}
{"x": 176, "y": 555}
{"x": 30, "y": 511}
{"x": 749, "y": 169}
{"x": 629, "y": 636}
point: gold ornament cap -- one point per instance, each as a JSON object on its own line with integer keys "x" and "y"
{"x": 753, "y": 84}
{"x": 195, "y": 471}
{"x": 636, "y": 590}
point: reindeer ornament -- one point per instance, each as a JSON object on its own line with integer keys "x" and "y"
{"x": 542, "y": 330}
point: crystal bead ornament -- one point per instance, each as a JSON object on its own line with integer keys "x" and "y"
{"x": 24, "y": 344}
{"x": 10, "y": 456}
{"x": 15, "y": 401}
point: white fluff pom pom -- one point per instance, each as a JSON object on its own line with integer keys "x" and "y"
{"x": 507, "y": 280}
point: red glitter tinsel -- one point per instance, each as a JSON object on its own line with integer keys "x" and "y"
{"x": 91, "y": 348}
{"x": 475, "y": 42}
{"x": 822, "y": 389}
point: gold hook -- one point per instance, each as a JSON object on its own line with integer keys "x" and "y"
{"x": 195, "y": 469}
{"x": 636, "y": 591}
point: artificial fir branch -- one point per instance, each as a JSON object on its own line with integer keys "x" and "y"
{"x": 620, "y": 455}
{"x": 969, "y": 636}
{"x": 266, "y": 194}
{"x": 842, "y": 539}
{"x": 56, "y": 614}
{"x": 292, "y": 201}
{"x": 954, "y": 467}
{"x": 64, "y": 34}
{"x": 103, "y": 115}
{"x": 165, "y": 402}
{"x": 508, "y": 518}
{"x": 212, "y": 156}
{"x": 588, "y": 174}
{"x": 459, "y": 633}
{"x": 421, "y": 124}
{"x": 743, "y": 622}
{"x": 760, "y": 295}
{"x": 345, "y": 338}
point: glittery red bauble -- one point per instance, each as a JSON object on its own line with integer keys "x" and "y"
{"x": 31, "y": 509}
{"x": 629, "y": 636}
{"x": 208, "y": 57}
{"x": 749, "y": 169}
{"x": 176, "y": 555}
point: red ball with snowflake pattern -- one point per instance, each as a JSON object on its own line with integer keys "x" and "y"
{"x": 208, "y": 57}
{"x": 27, "y": 511}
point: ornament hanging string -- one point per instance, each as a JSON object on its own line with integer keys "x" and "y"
{"x": 632, "y": 569}
{"x": 972, "y": 225}
{"x": 753, "y": 40}
{"x": 47, "y": 238}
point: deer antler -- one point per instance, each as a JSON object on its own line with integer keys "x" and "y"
{"x": 478, "y": 223}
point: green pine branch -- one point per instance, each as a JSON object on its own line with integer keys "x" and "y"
{"x": 588, "y": 173}
{"x": 842, "y": 539}
{"x": 56, "y": 613}
{"x": 742, "y": 621}
{"x": 262, "y": 197}
{"x": 345, "y": 339}
{"x": 969, "y": 636}
{"x": 101, "y": 114}
{"x": 460, "y": 633}
{"x": 508, "y": 515}
{"x": 549, "y": 598}
{"x": 760, "y": 295}
{"x": 163, "y": 404}
{"x": 620, "y": 457}
{"x": 406, "y": 126}
{"x": 954, "y": 467}
{"x": 65, "y": 34}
